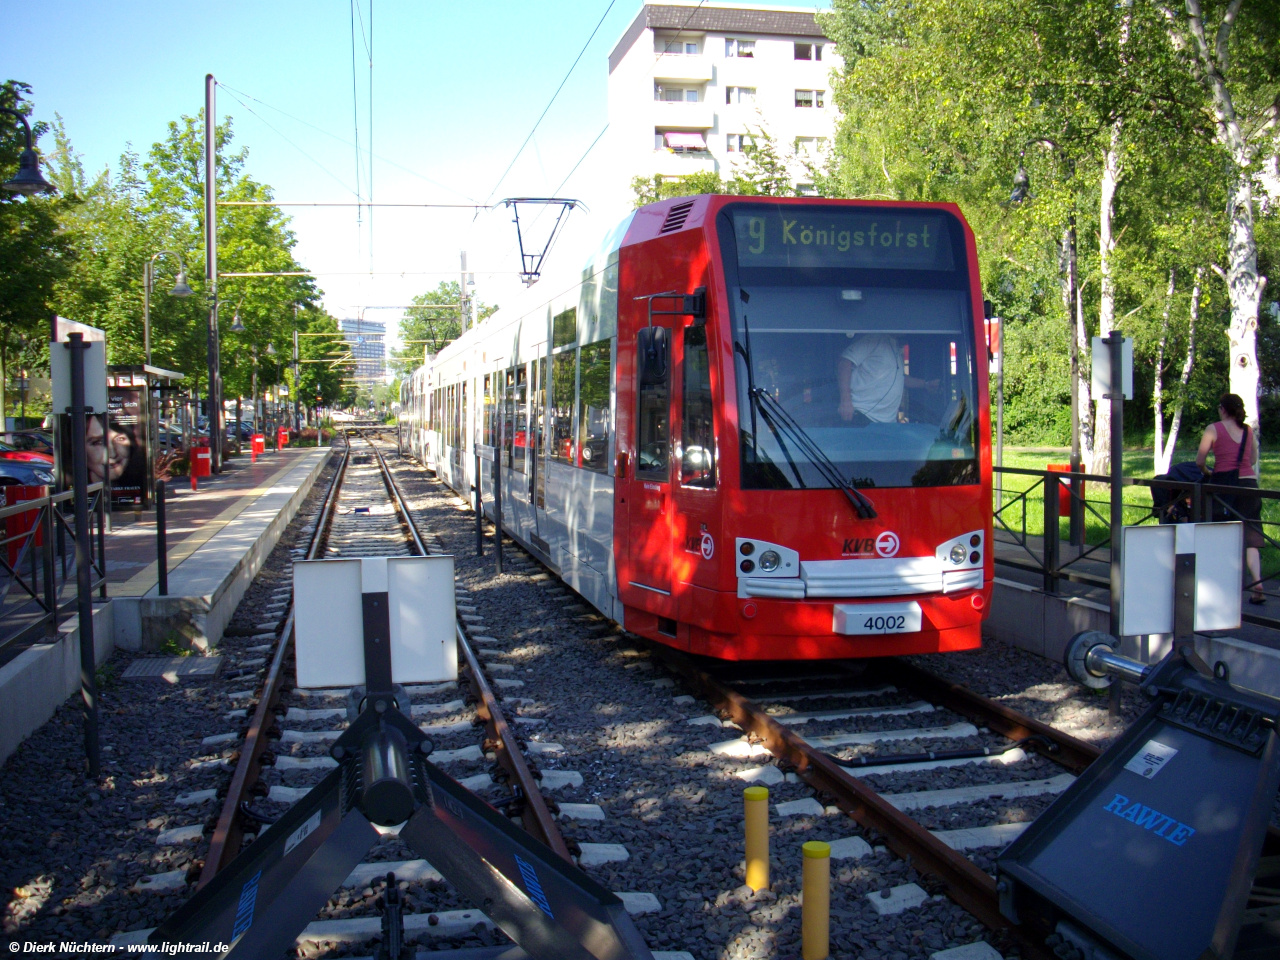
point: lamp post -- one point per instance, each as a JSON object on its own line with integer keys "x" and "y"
{"x": 27, "y": 181}
{"x": 180, "y": 289}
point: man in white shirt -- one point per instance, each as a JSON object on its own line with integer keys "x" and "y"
{"x": 870, "y": 377}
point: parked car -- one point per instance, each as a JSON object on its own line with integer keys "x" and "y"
{"x": 8, "y": 452}
{"x": 25, "y": 472}
{"x": 35, "y": 441}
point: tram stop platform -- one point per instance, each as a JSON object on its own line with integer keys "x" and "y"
{"x": 1024, "y": 615}
{"x": 217, "y": 537}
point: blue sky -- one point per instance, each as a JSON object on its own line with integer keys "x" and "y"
{"x": 456, "y": 89}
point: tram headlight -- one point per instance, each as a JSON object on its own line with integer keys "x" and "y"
{"x": 769, "y": 561}
{"x": 748, "y": 549}
{"x": 747, "y": 566}
{"x": 958, "y": 553}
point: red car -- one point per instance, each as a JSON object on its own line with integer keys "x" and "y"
{"x": 10, "y": 452}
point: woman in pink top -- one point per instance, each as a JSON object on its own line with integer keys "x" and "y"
{"x": 1235, "y": 449}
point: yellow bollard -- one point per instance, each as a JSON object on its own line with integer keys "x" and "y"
{"x": 756, "y": 801}
{"x": 815, "y": 901}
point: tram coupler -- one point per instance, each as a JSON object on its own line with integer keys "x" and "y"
{"x": 1152, "y": 853}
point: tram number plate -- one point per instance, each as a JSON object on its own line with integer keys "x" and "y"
{"x": 857, "y": 619}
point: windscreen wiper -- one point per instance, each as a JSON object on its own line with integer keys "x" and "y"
{"x": 776, "y": 416}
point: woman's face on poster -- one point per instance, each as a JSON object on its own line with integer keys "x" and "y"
{"x": 107, "y": 456}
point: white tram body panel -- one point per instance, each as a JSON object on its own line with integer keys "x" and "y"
{"x": 486, "y": 394}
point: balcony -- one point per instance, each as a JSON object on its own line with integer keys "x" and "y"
{"x": 681, "y": 115}
{"x": 688, "y": 68}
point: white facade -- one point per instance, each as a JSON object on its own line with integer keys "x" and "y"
{"x": 688, "y": 84}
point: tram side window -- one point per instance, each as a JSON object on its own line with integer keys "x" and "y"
{"x": 487, "y": 425}
{"x": 462, "y": 418}
{"x": 595, "y": 374}
{"x": 562, "y": 384}
{"x": 653, "y": 424}
{"x": 513, "y": 418}
{"x": 519, "y": 442}
{"x": 540, "y": 403}
{"x": 697, "y": 435}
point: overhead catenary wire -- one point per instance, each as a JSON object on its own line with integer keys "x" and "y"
{"x": 657, "y": 57}
{"x": 337, "y": 179}
{"x": 552, "y": 100}
{"x": 345, "y": 142}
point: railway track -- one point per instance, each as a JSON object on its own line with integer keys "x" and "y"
{"x": 285, "y": 749}
{"x": 1000, "y": 768}
{"x": 644, "y": 778}
{"x": 996, "y": 768}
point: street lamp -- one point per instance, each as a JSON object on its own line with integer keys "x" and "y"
{"x": 28, "y": 180}
{"x": 180, "y": 289}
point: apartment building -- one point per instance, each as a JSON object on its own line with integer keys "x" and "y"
{"x": 690, "y": 83}
{"x": 367, "y": 340}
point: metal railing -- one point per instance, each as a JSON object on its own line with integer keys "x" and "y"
{"x": 38, "y": 588}
{"x": 1030, "y": 520}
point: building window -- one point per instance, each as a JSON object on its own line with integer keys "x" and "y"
{"x": 810, "y": 146}
{"x": 739, "y": 48}
{"x": 675, "y": 45}
{"x": 809, "y": 98}
{"x": 739, "y": 95}
{"x": 738, "y": 142}
{"x": 676, "y": 94}
{"x": 808, "y": 51}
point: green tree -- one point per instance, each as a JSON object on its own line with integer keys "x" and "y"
{"x": 35, "y": 252}
{"x": 432, "y": 323}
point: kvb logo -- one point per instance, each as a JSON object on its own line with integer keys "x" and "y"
{"x": 887, "y": 544}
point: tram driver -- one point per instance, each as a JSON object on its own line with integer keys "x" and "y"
{"x": 870, "y": 375}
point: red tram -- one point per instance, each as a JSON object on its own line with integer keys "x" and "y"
{"x": 751, "y": 428}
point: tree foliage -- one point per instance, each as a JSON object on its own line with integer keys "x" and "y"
{"x": 433, "y": 322}
{"x": 1047, "y": 121}
{"x": 83, "y": 254}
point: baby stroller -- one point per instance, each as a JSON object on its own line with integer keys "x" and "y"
{"x": 1173, "y": 504}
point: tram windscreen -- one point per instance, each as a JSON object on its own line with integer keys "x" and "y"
{"x": 855, "y": 330}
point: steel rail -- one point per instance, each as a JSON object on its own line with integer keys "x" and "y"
{"x": 535, "y": 814}
{"x": 228, "y": 833}
{"x": 1062, "y": 748}
{"x": 965, "y": 883}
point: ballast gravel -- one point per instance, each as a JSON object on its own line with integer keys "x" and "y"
{"x": 73, "y": 853}
{"x": 675, "y": 806}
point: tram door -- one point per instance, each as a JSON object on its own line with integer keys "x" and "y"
{"x": 649, "y": 503}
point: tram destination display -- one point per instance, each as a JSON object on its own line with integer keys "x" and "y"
{"x": 791, "y": 236}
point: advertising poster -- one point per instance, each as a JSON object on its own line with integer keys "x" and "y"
{"x": 121, "y": 454}
{"x": 117, "y": 453}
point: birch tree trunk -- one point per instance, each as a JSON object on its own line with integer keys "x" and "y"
{"x": 1071, "y": 305}
{"x": 1244, "y": 286}
{"x": 1157, "y": 386}
{"x": 1100, "y": 462}
{"x": 1166, "y": 456}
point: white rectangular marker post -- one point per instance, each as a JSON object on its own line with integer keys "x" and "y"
{"x": 1148, "y": 558}
{"x": 329, "y": 621}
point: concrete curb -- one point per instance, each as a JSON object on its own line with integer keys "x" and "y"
{"x": 205, "y": 589}
{"x": 34, "y": 683}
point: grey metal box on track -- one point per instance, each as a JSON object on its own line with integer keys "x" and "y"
{"x": 173, "y": 669}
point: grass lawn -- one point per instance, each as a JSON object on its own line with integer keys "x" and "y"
{"x": 1021, "y": 498}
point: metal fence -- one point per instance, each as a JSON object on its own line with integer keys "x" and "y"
{"x": 38, "y": 564}
{"x": 1030, "y": 520}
